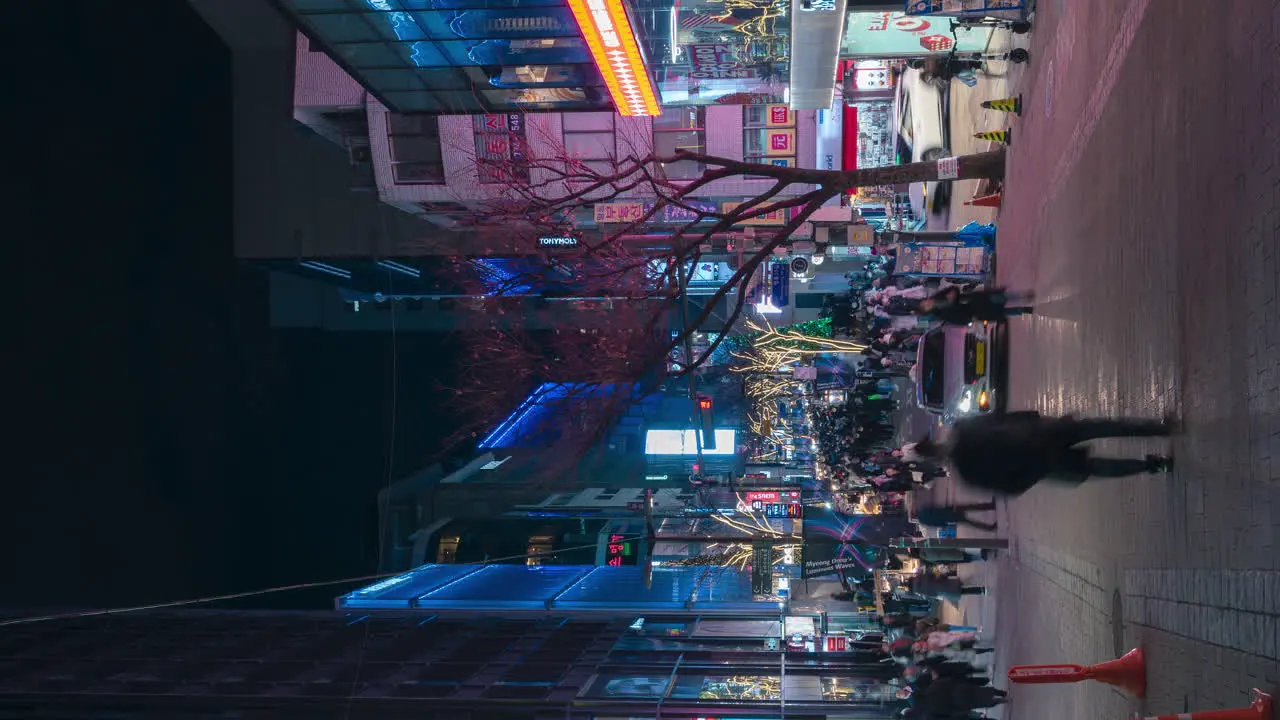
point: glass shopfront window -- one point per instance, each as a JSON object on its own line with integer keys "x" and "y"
{"x": 769, "y": 135}
{"x": 680, "y": 128}
{"x": 461, "y": 56}
{"x": 591, "y": 140}
{"x": 416, "y": 157}
{"x": 727, "y": 686}
{"x": 628, "y": 685}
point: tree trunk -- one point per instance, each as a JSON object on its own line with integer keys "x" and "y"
{"x": 987, "y": 165}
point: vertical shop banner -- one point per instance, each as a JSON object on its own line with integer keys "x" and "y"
{"x": 501, "y": 146}
{"x": 830, "y": 136}
{"x": 761, "y": 569}
{"x": 779, "y": 116}
{"x": 779, "y": 284}
{"x": 780, "y": 142}
{"x": 897, "y": 34}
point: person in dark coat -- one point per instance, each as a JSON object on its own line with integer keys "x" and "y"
{"x": 1011, "y": 452}
{"x": 956, "y": 308}
{"x": 943, "y": 587}
{"x": 945, "y": 515}
{"x": 946, "y": 696}
{"x": 959, "y": 669}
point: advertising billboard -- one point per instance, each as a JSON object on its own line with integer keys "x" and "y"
{"x": 897, "y": 34}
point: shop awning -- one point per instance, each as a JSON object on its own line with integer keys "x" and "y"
{"x": 817, "y": 27}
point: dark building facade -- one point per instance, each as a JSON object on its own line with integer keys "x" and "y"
{"x": 488, "y": 642}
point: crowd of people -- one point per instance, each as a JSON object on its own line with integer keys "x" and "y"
{"x": 939, "y": 667}
{"x": 860, "y": 459}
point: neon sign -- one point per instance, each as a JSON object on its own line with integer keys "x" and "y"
{"x": 558, "y": 242}
{"x": 618, "y": 551}
{"x": 607, "y": 30}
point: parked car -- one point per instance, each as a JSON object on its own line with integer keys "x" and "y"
{"x": 961, "y": 370}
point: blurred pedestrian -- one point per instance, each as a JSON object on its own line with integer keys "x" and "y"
{"x": 948, "y": 588}
{"x": 1011, "y": 452}
{"x": 946, "y": 515}
{"x": 961, "y": 308}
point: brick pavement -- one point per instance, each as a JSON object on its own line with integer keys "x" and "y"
{"x": 1143, "y": 203}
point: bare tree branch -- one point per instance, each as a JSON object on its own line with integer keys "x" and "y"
{"x": 635, "y": 281}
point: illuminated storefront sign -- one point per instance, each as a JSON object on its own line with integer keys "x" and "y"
{"x": 618, "y": 551}
{"x": 629, "y": 212}
{"x": 896, "y": 34}
{"x": 779, "y": 116}
{"x": 791, "y": 510}
{"x": 619, "y": 212}
{"x": 781, "y": 142}
{"x": 773, "y": 496}
{"x": 608, "y": 33}
{"x": 558, "y": 242}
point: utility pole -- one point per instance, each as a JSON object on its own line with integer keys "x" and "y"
{"x": 683, "y": 280}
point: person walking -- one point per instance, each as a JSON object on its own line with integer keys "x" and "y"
{"x": 953, "y": 668}
{"x": 1010, "y": 452}
{"x": 947, "y": 588}
{"x": 948, "y": 697}
{"x": 945, "y": 515}
{"x": 956, "y": 308}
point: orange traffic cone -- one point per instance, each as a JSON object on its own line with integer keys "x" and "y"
{"x": 1008, "y": 105}
{"x": 1000, "y": 136}
{"x": 1128, "y": 672}
{"x": 992, "y": 200}
{"x": 1261, "y": 709}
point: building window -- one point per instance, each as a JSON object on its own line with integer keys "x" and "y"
{"x": 769, "y": 135}
{"x": 680, "y": 128}
{"x": 416, "y": 157}
{"x": 501, "y": 147}
{"x": 589, "y": 138}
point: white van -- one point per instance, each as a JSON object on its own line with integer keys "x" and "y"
{"x": 961, "y": 370}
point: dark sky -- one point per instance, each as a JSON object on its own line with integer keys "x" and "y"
{"x": 162, "y": 441}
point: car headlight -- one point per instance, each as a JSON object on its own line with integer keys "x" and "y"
{"x": 966, "y": 402}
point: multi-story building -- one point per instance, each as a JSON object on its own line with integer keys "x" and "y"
{"x": 491, "y": 642}
{"x": 564, "y": 469}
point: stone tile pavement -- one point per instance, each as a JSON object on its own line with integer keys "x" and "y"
{"x": 969, "y": 117}
{"x": 1142, "y": 205}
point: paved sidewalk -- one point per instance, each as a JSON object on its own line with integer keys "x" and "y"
{"x": 1142, "y": 204}
{"x": 968, "y": 117}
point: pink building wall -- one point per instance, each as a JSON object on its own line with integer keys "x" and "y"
{"x": 544, "y": 131}
{"x": 319, "y": 83}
